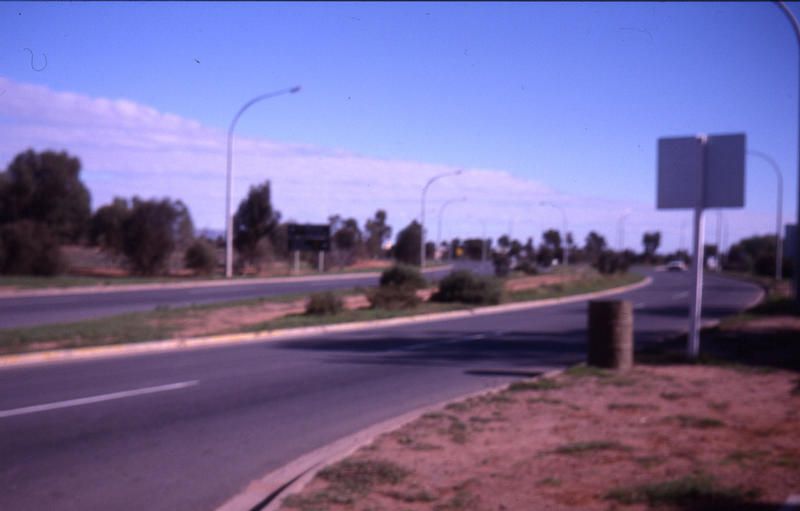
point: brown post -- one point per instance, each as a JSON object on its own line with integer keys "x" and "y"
{"x": 611, "y": 334}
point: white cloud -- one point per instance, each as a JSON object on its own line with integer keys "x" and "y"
{"x": 131, "y": 149}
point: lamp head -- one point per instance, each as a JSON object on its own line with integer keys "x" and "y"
{"x": 294, "y": 89}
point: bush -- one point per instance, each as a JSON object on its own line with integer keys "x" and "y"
{"x": 29, "y": 248}
{"x": 464, "y": 286}
{"x": 200, "y": 257}
{"x": 609, "y": 262}
{"x": 324, "y": 302}
{"x": 393, "y": 297}
{"x": 527, "y": 267}
{"x": 403, "y": 275}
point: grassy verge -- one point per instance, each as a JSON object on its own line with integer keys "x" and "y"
{"x": 164, "y": 322}
{"x": 588, "y": 285}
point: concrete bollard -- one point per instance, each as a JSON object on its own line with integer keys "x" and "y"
{"x": 611, "y": 334}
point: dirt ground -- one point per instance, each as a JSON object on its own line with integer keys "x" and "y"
{"x": 670, "y": 434}
{"x": 667, "y": 435}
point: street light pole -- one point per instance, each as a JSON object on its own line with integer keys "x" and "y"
{"x": 422, "y": 215}
{"x": 441, "y": 212}
{"x": 621, "y": 230}
{"x": 229, "y": 182}
{"x": 796, "y": 258}
{"x": 779, "y": 214}
{"x": 565, "y": 256}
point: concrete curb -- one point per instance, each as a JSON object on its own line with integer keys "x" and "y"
{"x": 276, "y": 335}
{"x": 295, "y": 475}
{"x": 66, "y": 291}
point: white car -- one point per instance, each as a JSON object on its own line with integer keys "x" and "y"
{"x": 676, "y": 266}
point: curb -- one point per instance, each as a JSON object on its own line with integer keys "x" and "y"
{"x": 290, "y": 333}
{"x": 27, "y": 293}
{"x": 268, "y": 492}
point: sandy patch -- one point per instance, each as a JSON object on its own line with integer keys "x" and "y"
{"x": 567, "y": 444}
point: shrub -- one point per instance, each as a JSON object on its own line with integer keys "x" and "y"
{"x": 464, "y": 286}
{"x": 527, "y": 267}
{"x": 200, "y": 257}
{"x": 324, "y": 302}
{"x": 393, "y": 297}
{"x": 29, "y": 248}
{"x": 403, "y": 275}
{"x": 609, "y": 262}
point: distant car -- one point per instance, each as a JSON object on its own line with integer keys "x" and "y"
{"x": 676, "y": 266}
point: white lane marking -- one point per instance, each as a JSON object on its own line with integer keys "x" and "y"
{"x": 640, "y": 305}
{"x": 682, "y": 294}
{"x": 95, "y": 399}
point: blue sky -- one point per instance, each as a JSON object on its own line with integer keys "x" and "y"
{"x": 560, "y": 102}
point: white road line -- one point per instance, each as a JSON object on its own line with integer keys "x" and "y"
{"x": 682, "y": 294}
{"x": 95, "y": 399}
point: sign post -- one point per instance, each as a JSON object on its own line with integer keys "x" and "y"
{"x": 698, "y": 173}
{"x": 309, "y": 238}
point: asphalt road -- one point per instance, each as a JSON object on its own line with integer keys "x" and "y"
{"x": 23, "y": 311}
{"x": 189, "y": 429}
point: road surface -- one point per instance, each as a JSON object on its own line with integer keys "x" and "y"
{"x": 189, "y": 429}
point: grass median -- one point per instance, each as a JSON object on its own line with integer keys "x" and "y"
{"x": 241, "y": 316}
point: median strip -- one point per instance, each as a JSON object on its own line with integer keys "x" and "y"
{"x": 274, "y": 334}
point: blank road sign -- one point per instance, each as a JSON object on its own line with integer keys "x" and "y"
{"x": 725, "y": 171}
{"x": 681, "y": 159}
{"x": 679, "y": 162}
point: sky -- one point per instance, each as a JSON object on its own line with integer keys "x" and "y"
{"x": 552, "y": 111}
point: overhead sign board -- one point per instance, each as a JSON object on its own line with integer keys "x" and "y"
{"x": 682, "y": 159}
{"x": 309, "y": 238}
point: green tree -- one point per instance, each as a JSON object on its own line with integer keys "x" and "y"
{"x": 377, "y": 233}
{"x": 149, "y": 233}
{"x": 201, "y": 257}
{"x": 347, "y": 240}
{"x": 105, "y": 226}
{"x": 651, "y": 241}
{"x": 254, "y": 221}
{"x": 46, "y": 188}
{"x": 29, "y": 248}
{"x": 406, "y": 248}
{"x": 595, "y": 244}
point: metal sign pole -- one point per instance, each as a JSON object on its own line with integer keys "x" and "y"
{"x": 321, "y": 262}
{"x": 297, "y": 261}
{"x": 695, "y": 313}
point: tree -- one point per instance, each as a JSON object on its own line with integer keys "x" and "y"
{"x": 595, "y": 244}
{"x": 105, "y": 226}
{"x": 552, "y": 245}
{"x": 29, "y": 248}
{"x": 406, "y": 248}
{"x": 473, "y": 248}
{"x": 377, "y": 233}
{"x": 651, "y": 240}
{"x": 201, "y": 257}
{"x": 149, "y": 233}
{"x": 45, "y": 188}
{"x": 254, "y": 221}
{"x": 347, "y": 240}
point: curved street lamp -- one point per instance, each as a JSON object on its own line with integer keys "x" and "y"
{"x": 422, "y": 214}
{"x": 779, "y": 214}
{"x": 796, "y": 258}
{"x": 229, "y": 182}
